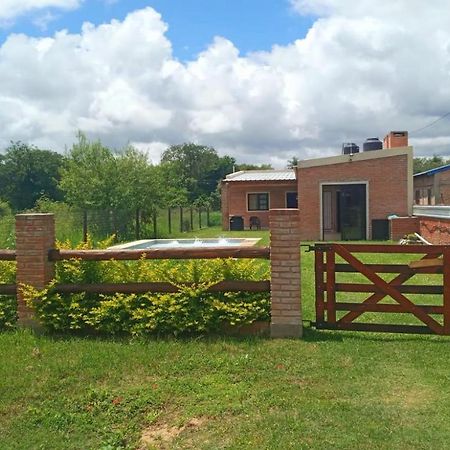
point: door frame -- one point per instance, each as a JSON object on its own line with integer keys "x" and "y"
{"x": 340, "y": 183}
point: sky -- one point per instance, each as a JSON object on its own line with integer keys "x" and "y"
{"x": 262, "y": 81}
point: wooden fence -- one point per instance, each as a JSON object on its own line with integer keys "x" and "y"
{"x": 55, "y": 255}
{"x": 435, "y": 260}
{"x": 36, "y": 257}
{"x": 138, "y": 288}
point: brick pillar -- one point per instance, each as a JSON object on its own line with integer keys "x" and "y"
{"x": 35, "y": 236}
{"x": 285, "y": 273}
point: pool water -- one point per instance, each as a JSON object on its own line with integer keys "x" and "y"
{"x": 186, "y": 243}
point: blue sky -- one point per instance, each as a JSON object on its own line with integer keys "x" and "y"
{"x": 342, "y": 73}
{"x": 252, "y": 25}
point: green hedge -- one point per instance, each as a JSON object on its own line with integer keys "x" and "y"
{"x": 191, "y": 310}
{"x": 8, "y": 303}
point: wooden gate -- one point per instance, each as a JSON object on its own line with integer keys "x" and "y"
{"x": 338, "y": 273}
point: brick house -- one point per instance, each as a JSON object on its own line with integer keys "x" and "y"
{"x": 251, "y": 193}
{"x": 432, "y": 187}
{"x": 346, "y": 197}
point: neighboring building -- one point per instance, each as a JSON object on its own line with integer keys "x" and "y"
{"x": 432, "y": 187}
{"x": 346, "y": 197}
{"x": 250, "y": 194}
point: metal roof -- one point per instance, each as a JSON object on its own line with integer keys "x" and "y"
{"x": 262, "y": 175}
{"x": 433, "y": 171}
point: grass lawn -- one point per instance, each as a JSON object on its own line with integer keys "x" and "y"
{"x": 331, "y": 390}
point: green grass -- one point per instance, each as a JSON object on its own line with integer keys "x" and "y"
{"x": 331, "y": 390}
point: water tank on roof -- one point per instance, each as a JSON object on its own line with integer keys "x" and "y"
{"x": 372, "y": 144}
{"x": 349, "y": 148}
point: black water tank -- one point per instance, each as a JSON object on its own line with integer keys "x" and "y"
{"x": 236, "y": 223}
{"x": 349, "y": 148}
{"x": 372, "y": 144}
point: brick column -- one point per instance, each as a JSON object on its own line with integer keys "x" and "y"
{"x": 286, "y": 318}
{"x": 400, "y": 226}
{"x": 35, "y": 236}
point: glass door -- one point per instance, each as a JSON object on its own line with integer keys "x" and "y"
{"x": 352, "y": 211}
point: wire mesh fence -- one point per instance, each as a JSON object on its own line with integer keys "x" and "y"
{"x": 132, "y": 225}
{"x": 76, "y": 225}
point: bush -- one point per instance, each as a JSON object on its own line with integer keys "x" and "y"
{"x": 191, "y": 310}
{"x": 8, "y": 303}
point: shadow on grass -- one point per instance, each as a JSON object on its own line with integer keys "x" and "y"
{"x": 313, "y": 335}
{"x": 310, "y": 335}
{"x": 144, "y": 339}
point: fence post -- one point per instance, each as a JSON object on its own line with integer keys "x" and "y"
{"x": 138, "y": 224}
{"x": 181, "y": 219}
{"x": 286, "y": 317}
{"x": 155, "y": 226}
{"x": 85, "y": 226}
{"x": 169, "y": 212}
{"x": 35, "y": 236}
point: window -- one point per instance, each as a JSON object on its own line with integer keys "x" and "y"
{"x": 258, "y": 202}
{"x": 291, "y": 200}
{"x": 428, "y": 196}
{"x": 417, "y": 197}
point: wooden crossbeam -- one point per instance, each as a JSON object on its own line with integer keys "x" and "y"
{"x": 422, "y": 263}
{"x": 404, "y": 276}
{"x": 388, "y": 289}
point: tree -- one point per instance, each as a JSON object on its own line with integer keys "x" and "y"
{"x": 194, "y": 170}
{"x": 28, "y": 173}
{"x": 89, "y": 177}
{"x": 293, "y": 162}
{"x": 244, "y": 166}
{"x": 424, "y": 164}
{"x": 139, "y": 184}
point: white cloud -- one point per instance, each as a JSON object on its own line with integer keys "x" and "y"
{"x": 9, "y": 9}
{"x": 359, "y": 72}
{"x": 153, "y": 150}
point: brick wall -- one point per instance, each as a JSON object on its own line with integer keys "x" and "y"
{"x": 286, "y": 317}
{"x": 396, "y": 139}
{"x": 400, "y": 226}
{"x": 234, "y": 199}
{"x": 387, "y": 179}
{"x": 35, "y": 235}
{"x": 435, "y": 230}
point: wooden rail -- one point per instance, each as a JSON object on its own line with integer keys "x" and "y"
{"x": 7, "y": 255}
{"x": 192, "y": 253}
{"x": 386, "y": 248}
{"x": 8, "y": 289}
{"x": 139, "y": 288}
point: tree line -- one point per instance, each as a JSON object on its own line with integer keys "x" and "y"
{"x": 92, "y": 176}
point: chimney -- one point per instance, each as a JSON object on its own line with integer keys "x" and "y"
{"x": 396, "y": 139}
